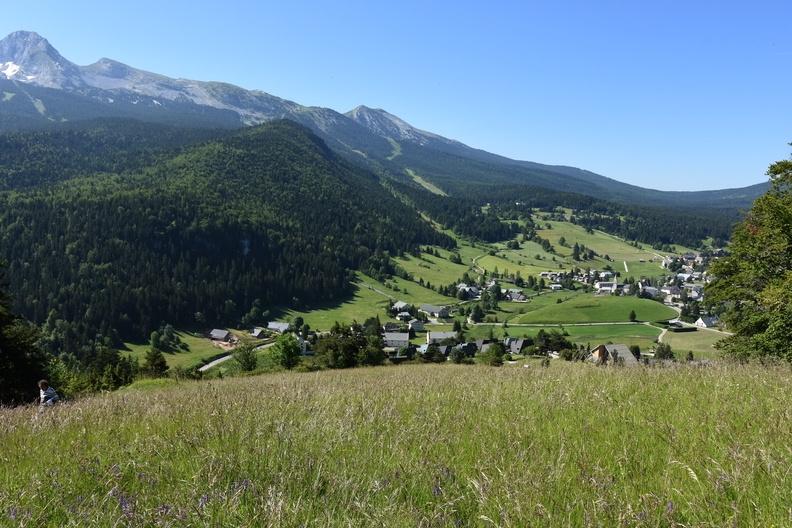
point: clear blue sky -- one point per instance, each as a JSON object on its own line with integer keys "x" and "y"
{"x": 670, "y": 95}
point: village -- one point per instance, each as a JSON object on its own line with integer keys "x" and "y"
{"x": 460, "y": 332}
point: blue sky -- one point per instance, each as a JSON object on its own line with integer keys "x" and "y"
{"x": 670, "y": 95}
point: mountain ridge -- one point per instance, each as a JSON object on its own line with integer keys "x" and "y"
{"x": 30, "y": 67}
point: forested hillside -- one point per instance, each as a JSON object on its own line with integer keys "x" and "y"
{"x": 269, "y": 215}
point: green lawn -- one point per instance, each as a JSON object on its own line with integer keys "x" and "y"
{"x": 590, "y": 308}
{"x": 699, "y": 342}
{"x": 635, "y": 334}
{"x": 416, "y": 445}
{"x": 199, "y": 348}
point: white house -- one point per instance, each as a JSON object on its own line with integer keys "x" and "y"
{"x": 556, "y": 287}
{"x": 606, "y": 287}
{"x": 706, "y": 322}
{"x": 434, "y": 311}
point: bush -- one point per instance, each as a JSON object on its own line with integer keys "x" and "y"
{"x": 493, "y": 356}
{"x": 246, "y": 356}
{"x": 663, "y": 351}
{"x": 286, "y": 351}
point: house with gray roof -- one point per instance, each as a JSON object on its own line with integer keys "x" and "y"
{"x": 278, "y": 327}
{"x": 396, "y": 339}
{"x": 439, "y": 337}
{"x": 434, "y": 311}
{"x": 608, "y": 354}
{"x": 219, "y": 334}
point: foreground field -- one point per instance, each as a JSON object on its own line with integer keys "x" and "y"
{"x": 569, "y": 445}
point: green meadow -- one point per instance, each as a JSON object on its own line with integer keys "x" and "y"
{"x": 199, "y": 348}
{"x": 416, "y": 445}
{"x": 589, "y": 308}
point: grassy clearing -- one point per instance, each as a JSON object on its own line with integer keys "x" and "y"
{"x": 601, "y": 242}
{"x": 200, "y": 348}
{"x": 699, "y": 342}
{"x": 589, "y": 308}
{"x": 570, "y": 445}
{"x": 435, "y": 270}
{"x": 397, "y": 150}
{"x": 426, "y": 184}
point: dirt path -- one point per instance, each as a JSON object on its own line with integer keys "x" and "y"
{"x": 626, "y": 269}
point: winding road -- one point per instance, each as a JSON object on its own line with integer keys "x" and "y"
{"x": 225, "y": 358}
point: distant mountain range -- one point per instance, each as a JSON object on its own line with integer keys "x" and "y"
{"x": 39, "y": 87}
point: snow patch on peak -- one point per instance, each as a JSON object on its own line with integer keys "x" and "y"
{"x": 9, "y": 69}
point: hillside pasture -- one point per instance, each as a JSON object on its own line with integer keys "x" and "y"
{"x": 200, "y": 348}
{"x": 590, "y": 308}
{"x": 701, "y": 343}
{"x": 417, "y": 445}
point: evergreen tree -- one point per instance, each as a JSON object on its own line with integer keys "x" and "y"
{"x": 155, "y": 363}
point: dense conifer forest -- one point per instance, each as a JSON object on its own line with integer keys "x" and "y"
{"x": 267, "y": 216}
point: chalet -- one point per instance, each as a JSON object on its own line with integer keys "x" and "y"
{"x": 469, "y": 292}
{"x": 396, "y": 339}
{"x": 404, "y": 316}
{"x": 673, "y": 291}
{"x": 439, "y": 337}
{"x": 480, "y": 343}
{"x": 706, "y": 321}
{"x": 258, "y": 332}
{"x": 434, "y": 311}
{"x": 606, "y": 275}
{"x": 278, "y": 326}
{"x": 516, "y": 297}
{"x": 400, "y": 306}
{"x": 416, "y": 325}
{"x": 650, "y": 291}
{"x": 606, "y": 287}
{"x": 390, "y": 326}
{"x": 605, "y": 354}
{"x": 556, "y": 287}
{"x": 468, "y": 349}
{"x": 219, "y": 335}
{"x": 514, "y": 345}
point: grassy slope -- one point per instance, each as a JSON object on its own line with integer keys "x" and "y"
{"x": 589, "y": 308}
{"x": 637, "y": 334}
{"x": 200, "y": 348}
{"x": 435, "y": 270}
{"x": 699, "y": 342}
{"x": 445, "y": 445}
{"x": 367, "y": 302}
{"x": 426, "y": 184}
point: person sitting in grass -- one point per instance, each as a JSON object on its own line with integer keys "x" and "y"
{"x": 47, "y": 395}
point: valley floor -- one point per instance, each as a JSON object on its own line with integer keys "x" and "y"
{"x": 422, "y": 445}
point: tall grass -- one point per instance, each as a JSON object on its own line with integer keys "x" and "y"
{"x": 569, "y": 445}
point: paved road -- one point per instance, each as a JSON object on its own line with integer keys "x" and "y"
{"x": 223, "y": 359}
